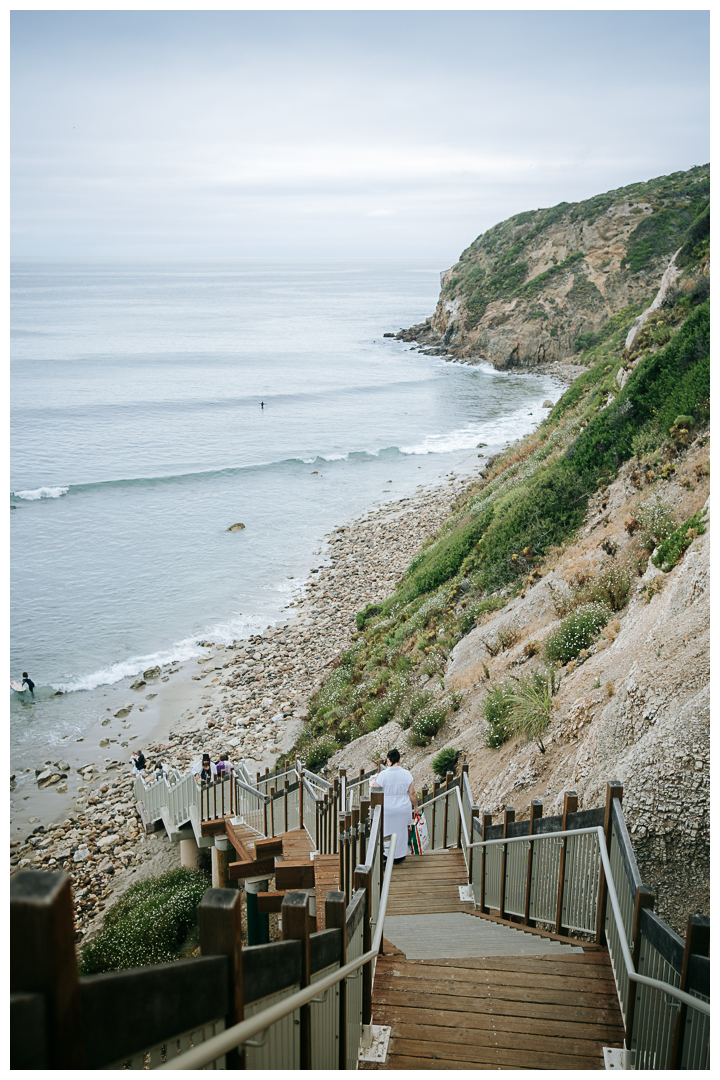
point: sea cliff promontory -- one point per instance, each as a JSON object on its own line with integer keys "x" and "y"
{"x": 545, "y": 284}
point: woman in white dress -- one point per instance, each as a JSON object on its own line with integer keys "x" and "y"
{"x": 400, "y": 801}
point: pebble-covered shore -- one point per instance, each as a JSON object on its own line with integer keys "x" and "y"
{"x": 254, "y": 702}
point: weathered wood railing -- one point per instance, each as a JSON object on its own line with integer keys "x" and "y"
{"x": 303, "y": 1002}
{"x": 557, "y": 873}
{"x": 344, "y": 994}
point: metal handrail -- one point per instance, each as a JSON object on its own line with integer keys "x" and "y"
{"x": 315, "y": 779}
{"x": 276, "y": 776}
{"x": 633, "y": 975}
{"x": 358, "y": 780}
{"x": 228, "y": 1040}
{"x": 444, "y": 795}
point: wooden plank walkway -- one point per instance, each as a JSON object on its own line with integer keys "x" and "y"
{"x": 429, "y": 883}
{"x": 542, "y": 1012}
{"x": 327, "y": 879}
{"x": 507, "y": 999}
{"x": 296, "y": 845}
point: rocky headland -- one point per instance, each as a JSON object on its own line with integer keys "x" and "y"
{"x": 543, "y": 285}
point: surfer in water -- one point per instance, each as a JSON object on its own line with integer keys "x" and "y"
{"x": 27, "y": 681}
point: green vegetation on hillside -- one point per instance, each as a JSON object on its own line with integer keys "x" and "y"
{"x": 530, "y": 499}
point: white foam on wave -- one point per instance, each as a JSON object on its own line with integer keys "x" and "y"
{"x": 41, "y": 493}
{"x": 462, "y": 439}
{"x": 123, "y": 669}
{"x": 493, "y": 431}
{"x": 236, "y": 628}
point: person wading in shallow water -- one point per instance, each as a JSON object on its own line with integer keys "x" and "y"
{"x": 400, "y": 801}
{"x": 27, "y": 681}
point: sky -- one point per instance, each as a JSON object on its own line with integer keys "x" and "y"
{"x": 336, "y": 133}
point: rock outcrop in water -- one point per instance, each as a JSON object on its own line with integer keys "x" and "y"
{"x": 545, "y": 284}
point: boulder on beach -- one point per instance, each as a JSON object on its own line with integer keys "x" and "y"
{"x": 547, "y": 404}
{"x": 125, "y": 711}
{"x": 138, "y": 684}
{"x": 151, "y": 673}
{"x": 236, "y": 527}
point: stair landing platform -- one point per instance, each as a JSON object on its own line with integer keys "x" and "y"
{"x": 459, "y": 991}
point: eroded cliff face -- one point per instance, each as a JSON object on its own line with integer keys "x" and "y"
{"x": 636, "y": 709}
{"x": 537, "y": 287}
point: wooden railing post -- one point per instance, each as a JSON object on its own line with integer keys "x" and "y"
{"x": 448, "y": 781}
{"x": 614, "y": 790}
{"x": 377, "y": 798}
{"x": 335, "y": 919}
{"x": 436, "y": 791}
{"x": 486, "y": 822}
{"x": 697, "y": 941}
{"x": 43, "y": 960}
{"x": 474, "y": 813}
{"x": 570, "y": 805}
{"x": 336, "y": 806}
{"x": 536, "y": 808}
{"x": 342, "y": 773}
{"x": 363, "y": 880}
{"x": 341, "y": 847}
{"x": 644, "y": 898}
{"x": 286, "y": 785}
{"x": 272, "y": 811}
{"x": 220, "y": 921}
{"x": 508, "y": 817}
{"x": 364, "y": 814}
{"x": 295, "y": 916}
{"x": 423, "y": 795}
{"x": 354, "y": 820}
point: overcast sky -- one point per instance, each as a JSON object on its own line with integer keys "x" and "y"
{"x": 337, "y": 133}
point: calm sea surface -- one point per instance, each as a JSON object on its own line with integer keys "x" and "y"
{"x": 138, "y": 438}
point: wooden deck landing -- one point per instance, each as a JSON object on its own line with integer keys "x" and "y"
{"x": 549, "y": 1008}
{"x": 497, "y": 1013}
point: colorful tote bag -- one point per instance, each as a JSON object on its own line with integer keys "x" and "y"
{"x": 418, "y": 835}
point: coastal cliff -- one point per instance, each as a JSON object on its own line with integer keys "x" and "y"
{"x": 545, "y": 284}
{"x": 554, "y": 632}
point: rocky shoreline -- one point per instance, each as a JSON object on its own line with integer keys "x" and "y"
{"x": 430, "y": 343}
{"x": 247, "y": 698}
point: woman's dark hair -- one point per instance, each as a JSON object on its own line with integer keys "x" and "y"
{"x": 393, "y": 756}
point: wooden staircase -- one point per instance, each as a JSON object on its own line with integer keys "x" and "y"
{"x": 290, "y": 857}
{"x": 460, "y": 991}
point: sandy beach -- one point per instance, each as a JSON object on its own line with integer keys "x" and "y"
{"x": 248, "y": 699}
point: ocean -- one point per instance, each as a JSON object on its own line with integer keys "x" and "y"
{"x": 139, "y": 438}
